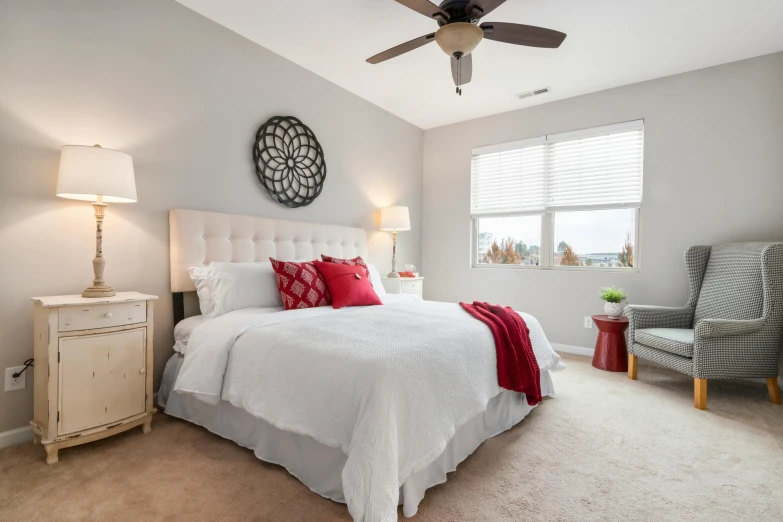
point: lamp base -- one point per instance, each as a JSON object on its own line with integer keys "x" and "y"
{"x": 99, "y": 288}
{"x": 98, "y": 291}
{"x": 392, "y": 275}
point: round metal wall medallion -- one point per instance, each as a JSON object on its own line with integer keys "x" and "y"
{"x": 289, "y": 161}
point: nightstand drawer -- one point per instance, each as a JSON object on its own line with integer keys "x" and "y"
{"x": 88, "y": 317}
{"x": 404, "y": 285}
{"x": 410, "y": 287}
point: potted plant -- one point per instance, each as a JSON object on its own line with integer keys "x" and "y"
{"x": 615, "y": 301}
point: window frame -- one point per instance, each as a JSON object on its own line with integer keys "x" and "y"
{"x": 547, "y": 250}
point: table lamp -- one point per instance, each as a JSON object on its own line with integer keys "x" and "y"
{"x": 395, "y": 219}
{"x": 101, "y": 176}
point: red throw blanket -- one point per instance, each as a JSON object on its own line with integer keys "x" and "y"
{"x": 517, "y": 366}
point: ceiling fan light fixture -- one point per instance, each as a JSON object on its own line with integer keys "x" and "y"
{"x": 459, "y": 37}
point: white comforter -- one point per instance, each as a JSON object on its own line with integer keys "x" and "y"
{"x": 389, "y": 385}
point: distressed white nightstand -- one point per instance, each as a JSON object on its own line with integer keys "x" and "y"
{"x": 93, "y": 368}
{"x": 404, "y": 285}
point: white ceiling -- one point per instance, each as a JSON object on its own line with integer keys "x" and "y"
{"x": 610, "y": 43}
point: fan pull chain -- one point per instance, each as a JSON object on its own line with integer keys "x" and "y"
{"x": 459, "y": 74}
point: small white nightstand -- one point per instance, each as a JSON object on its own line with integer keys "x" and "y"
{"x": 93, "y": 368}
{"x": 404, "y": 285}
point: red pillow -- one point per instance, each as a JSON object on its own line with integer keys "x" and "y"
{"x": 348, "y": 285}
{"x": 356, "y": 261}
{"x": 300, "y": 284}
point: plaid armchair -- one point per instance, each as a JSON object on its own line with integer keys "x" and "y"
{"x": 731, "y": 326}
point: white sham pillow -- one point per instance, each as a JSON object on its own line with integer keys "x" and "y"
{"x": 200, "y": 277}
{"x": 183, "y": 329}
{"x": 375, "y": 279}
{"x": 243, "y": 285}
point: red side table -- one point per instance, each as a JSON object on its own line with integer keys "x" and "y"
{"x": 611, "y": 354}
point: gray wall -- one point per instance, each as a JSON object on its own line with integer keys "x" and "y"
{"x": 713, "y": 173}
{"x": 184, "y": 96}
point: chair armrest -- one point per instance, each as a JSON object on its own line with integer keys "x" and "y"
{"x": 735, "y": 349}
{"x": 711, "y": 328}
{"x": 644, "y": 316}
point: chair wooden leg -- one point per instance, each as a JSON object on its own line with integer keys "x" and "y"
{"x": 774, "y": 391}
{"x": 700, "y": 393}
{"x": 633, "y": 366}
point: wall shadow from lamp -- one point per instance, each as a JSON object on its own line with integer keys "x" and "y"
{"x": 102, "y": 176}
{"x": 395, "y": 219}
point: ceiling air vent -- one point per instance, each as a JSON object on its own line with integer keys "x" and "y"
{"x": 535, "y": 92}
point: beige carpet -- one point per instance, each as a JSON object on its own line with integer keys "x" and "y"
{"x": 604, "y": 449}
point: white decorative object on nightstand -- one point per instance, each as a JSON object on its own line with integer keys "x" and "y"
{"x": 404, "y": 285}
{"x": 395, "y": 219}
{"x": 93, "y": 368}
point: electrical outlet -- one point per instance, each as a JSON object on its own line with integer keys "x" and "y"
{"x": 588, "y": 321}
{"x": 12, "y": 384}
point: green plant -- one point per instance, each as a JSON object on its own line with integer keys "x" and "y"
{"x": 613, "y": 295}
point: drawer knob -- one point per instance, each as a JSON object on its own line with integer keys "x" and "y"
{"x": 143, "y": 370}
{"x": 107, "y": 315}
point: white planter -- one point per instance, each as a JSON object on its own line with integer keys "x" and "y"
{"x": 614, "y": 309}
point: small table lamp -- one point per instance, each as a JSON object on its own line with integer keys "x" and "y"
{"x": 394, "y": 219}
{"x": 102, "y": 176}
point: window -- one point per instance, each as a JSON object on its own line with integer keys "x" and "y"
{"x": 509, "y": 240}
{"x": 563, "y": 200}
{"x": 594, "y": 238}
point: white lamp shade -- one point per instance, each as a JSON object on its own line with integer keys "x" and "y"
{"x": 395, "y": 218}
{"x": 87, "y": 172}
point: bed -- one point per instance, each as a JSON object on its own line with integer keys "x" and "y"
{"x": 368, "y": 406}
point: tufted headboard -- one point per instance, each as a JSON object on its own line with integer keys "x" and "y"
{"x": 198, "y": 238}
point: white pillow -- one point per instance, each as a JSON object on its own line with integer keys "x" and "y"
{"x": 200, "y": 277}
{"x": 243, "y": 285}
{"x": 183, "y": 330}
{"x": 375, "y": 279}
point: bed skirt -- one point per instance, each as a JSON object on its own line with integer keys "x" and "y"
{"x": 318, "y": 466}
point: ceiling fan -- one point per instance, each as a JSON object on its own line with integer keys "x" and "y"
{"x": 460, "y": 33}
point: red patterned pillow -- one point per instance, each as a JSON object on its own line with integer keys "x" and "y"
{"x": 356, "y": 261}
{"x": 347, "y": 285}
{"x": 300, "y": 284}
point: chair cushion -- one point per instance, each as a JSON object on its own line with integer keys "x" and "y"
{"x": 678, "y": 341}
{"x": 732, "y": 283}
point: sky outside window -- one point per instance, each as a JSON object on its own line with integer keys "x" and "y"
{"x": 520, "y": 228}
{"x": 594, "y": 231}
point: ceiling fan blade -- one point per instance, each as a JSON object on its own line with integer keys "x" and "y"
{"x": 426, "y": 8}
{"x": 485, "y": 6}
{"x": 402, "y": 48}
{"x": 519, "y": 34}
{"x": 467, "y": 69}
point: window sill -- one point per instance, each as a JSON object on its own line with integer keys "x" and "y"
{"x": 632, "y": 270}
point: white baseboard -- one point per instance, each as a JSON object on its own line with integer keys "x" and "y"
{"x": 14, "y": 437}
{"x": 567, "y": 348}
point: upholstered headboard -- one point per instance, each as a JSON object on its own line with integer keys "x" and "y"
{"x": 198, "y": 238}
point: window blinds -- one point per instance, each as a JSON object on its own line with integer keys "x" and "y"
{"x": 593, "y": 168}
{"x": 508, "y": 178}
{"x": 599, "y": 167}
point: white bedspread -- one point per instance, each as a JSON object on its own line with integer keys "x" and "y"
{"x": 389, "y": 385}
